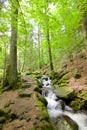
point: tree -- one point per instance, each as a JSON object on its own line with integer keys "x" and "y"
{"x": 12, "y": 77}
{"x": 11, "y": 73}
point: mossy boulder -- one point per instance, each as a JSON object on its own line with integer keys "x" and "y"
{"x": 41, "y": 99}
{"x": 65, "y": 93}
{"x": 82, "y": 96}
{"x": 5, "y": 115}
{"x": 76, "y": 104}
{"x": 61, "y": 82}
{"x": 46, "y": 125}
{"x": 37, "y": 89}
{"x": 66, "y": 123}
{"x": 77, "y": 75}
{"x": 64, "y": 80}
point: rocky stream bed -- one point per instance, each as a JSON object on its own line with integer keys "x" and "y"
{"x": 26, "y": 108}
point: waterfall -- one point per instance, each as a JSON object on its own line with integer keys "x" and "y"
{"x": 56, "y": 107}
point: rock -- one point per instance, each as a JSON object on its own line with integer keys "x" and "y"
{"x": 46, "y": 125}
{"x": 66, "y": 123}
{"x": 42, "y": 99}
{"x": 77, "y": 75}
{"x": 65, "y": 93}
{"x": 82, "y": 96}
{"x": 3, "y": 119}
{"x": 76, "y": 104}
{"x": 37, "y": 89}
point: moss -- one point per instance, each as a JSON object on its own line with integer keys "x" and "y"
{"x": 42, "y": 103}
{"x": 76, "y": 105}
{"x": 64, "y": 79}
{"x": 82, "y": 95}
{"x": 55, "y": 81}
{"x": 46, "y": 126}
{"x": 63, "y": 85}
{"x": 24, "y": 93}
{"x": 41, "y": 99}
{"x": 8, "y": 103}
{"x": 1, "y": 126}
{"x": 3, "y": 119}
{"x": 5, "y": 115}
{"x": 77, "y": 75}
{"x": 37, "y": 89}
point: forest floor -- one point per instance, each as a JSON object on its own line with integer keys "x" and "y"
{"x": 25, "y": 109}
{"x": 78, "y": 66}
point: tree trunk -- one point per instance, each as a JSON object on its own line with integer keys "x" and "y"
{"x": 49, "y": 50}
{"x": 39, "y": 50}
{"x": 13, "y": 46}
{"x": 48, "y": 37}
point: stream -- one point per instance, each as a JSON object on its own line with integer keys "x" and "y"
{"x": 56, "y": 108}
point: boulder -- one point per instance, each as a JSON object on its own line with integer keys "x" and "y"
{"x": 76, "y": 104}
{"x": 66, "y": 123}
{"x": 65, "y": 93}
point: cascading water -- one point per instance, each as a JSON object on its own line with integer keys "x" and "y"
{"x": 56, "y": 107}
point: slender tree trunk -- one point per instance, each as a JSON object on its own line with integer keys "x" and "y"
{"x": 39, "y": 50}
{"x": 49, "y": 50}
{"x": 48, "y": 37}
{"x": 13, "y": 46}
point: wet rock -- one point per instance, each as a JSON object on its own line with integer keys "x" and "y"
{"x": 65, "y": 93}
{"x": 66, "y": 123}
{"x": 37, "y": 89}
{"x": 42, "y": 99}
{"x": 76, "y": 104}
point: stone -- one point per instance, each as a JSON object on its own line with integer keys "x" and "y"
{"x": 66, "y": 123}
{"x": 42, "y": 99}
{"x": 37, "y": 89}
{"x": 65, "y": 93}
{"x": 76, "y": 104}
{"x": 77, "y": 75}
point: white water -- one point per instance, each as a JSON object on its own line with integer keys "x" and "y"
{"x": 54, "y": 105}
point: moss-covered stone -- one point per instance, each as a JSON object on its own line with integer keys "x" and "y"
{"x": 77, "y": 75}
{"x": 63, "y": 85}
{"x": 64, "y": 79}
{"x": 66, "y": 123}
{"x": 3, "y": 119}
{"x": 46, "y": 126}
{"x": 5, "y": 115}
{"x": 76, "y": 104}
{"x": 65, "y": 93}
{"x": 41, "y": 99}
{"x": 82, "y": 95}
{"x": 55, "y": 81}
{"x": 37, "y": 89}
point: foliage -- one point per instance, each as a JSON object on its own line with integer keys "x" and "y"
{"x": 64, "y": 31}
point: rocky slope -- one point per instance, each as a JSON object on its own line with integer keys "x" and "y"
{"x": 24, "y": 108}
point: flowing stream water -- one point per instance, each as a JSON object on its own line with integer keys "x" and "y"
{"x": 55, "y": 108}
